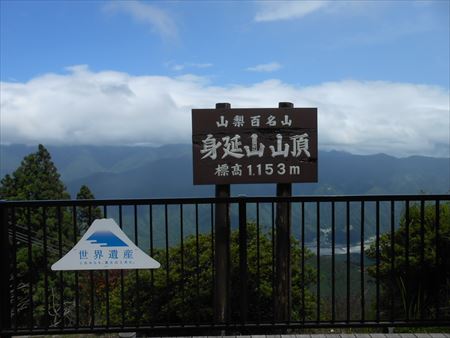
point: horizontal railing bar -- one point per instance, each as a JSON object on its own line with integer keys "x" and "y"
{"x": 246, "y": 199}
{"x": 291, "y": 325}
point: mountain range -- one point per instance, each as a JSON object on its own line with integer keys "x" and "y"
{"x": 166, "y": 171}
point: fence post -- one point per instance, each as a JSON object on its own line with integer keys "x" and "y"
{"x": 243, "y": 270}
{"x": 5, "y": 261}
{"x": 283, "y": 249}
{"x": 222, "y": 250}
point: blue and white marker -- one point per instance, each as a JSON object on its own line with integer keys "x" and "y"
{"x": 105, "y": 246}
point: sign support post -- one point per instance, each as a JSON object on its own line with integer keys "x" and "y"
{"x": 222, "y": 249}
{"x": 253, "y": 145}
{"x": 283, "y": 248}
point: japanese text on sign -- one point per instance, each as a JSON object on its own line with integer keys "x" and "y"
{"x": 254, "y": 145}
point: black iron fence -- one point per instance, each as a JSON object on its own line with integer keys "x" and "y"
{"x": 352, "y": 261}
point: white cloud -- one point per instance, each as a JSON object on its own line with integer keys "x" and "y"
{"x": 86, "y": 107}
{"x": 200, "y": 65}
{"x": 147, "y": 14}
{"x": 286, "y": 10}
{"x": 268, "y": 11}
{"x": 265, "y": 67}
{"x": 179, "y": 67}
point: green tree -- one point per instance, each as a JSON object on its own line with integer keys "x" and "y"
{"x": 414, "y": 286}
{"x": 185, "y": 293}
{"x": 36, "y": 179}
{"x": 50, "y": 232}
{"x": 86, "y": 215}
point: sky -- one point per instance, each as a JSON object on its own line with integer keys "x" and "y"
{"x": 129, "y": 72}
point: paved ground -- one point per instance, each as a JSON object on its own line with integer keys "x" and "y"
{"x": 342, "y": 335}
{"x": 356, "y": 335}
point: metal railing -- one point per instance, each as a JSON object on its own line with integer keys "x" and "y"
{"x": 354, "y": 261}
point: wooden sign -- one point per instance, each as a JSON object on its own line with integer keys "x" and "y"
{"x": 255, "y": 145}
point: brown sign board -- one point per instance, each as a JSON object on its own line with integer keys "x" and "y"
{"x": 254, "y": 145}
